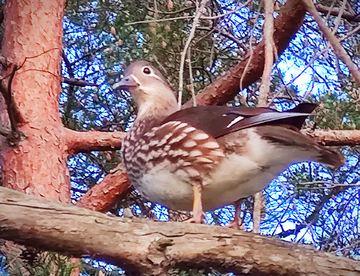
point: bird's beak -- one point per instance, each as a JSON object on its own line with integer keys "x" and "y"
{"x": 126, "y": 82}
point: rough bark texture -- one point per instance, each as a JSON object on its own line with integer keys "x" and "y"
{"x": 103, "y": 195}
{"x": 144, "y": 247}
{"x": 335, "y": 137}
{"x": 78, "y": 141}
{"x": 38, "y": 165}
{"x": 223, "y": 89}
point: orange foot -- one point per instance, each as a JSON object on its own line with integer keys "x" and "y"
{"x": 196, "y": 218}
{"x": 234, "y": 224}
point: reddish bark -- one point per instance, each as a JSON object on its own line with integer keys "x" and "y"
{"x": 223, "y": 89}
{"x": 38, "y": 164}
{"x": 103, "y": 195}
{"x": 81, "y": 141}
{"x": 32, "y": 43}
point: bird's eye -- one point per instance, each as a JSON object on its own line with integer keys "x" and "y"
{"x": 146, "y": 70}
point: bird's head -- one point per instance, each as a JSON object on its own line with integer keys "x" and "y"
{"x": 148, "y": 88}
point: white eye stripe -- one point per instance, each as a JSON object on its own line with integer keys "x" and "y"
{"x": 152, "y": 73}
{"x": 233, "y": 122}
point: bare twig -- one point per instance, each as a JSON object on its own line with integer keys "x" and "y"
{"x": 78, "y": 82}
{"x": 173, "y": 12}
{"x": 9, "y": 101}
{"x": 187, "y": 45}
{"x": 263, "y": 94}
{"x": 227, "y": 13}
{"x": 159, "y": 20}
{"x": 269, "y": 53}
{"x": 191, "y": 77}
{"x": 284, "y": 86}
{"x": 335, "y": 43}
{"x": 251, "y": 50}
{"x": 338, "y": 19}
{"x": 334, "y": 11}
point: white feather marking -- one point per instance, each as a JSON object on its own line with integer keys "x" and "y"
{"x": 190, "y": 144}
{"x": 151, "y": 133}
{"x": 145, "y": 147}
{"x": 233, "y": 122}
{"x": 155, "y": 154}
{"x": 192, "y": 172}
{"x": 178, "y": 152}
{"x": 189, "y": 129}
{"x": 211, "y": 145}
{"x": 201, "y": 136}
{"x": 153, "y": 143}
{"x": 142, "y": 156}
{"x": 218, "y": 153}
{"x": 181, "y": 125}
{"x": 174, "y": 123}
{"x": 164, "y": 139}
{"x": 205, "y": 160}
{"x": 195, "y": 153}
{"x": 177, "y": 138}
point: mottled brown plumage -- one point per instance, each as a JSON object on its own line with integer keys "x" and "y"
{"x": 206, "y": 157}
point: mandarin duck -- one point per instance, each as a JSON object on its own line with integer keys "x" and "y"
{"x": 201, "y": 158}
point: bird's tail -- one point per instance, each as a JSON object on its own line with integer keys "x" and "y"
{"x": 330, "y": 157}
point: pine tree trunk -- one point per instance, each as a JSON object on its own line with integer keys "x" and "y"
{"x": 33, "y": 42}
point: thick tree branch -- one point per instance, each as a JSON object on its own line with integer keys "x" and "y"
{"x": 144, "y": 247}
{"x": 287, "y": 23}
{"x": 78, "y": 141}
{"x": 97, "y": 140}
{"x": 102, "y": 196}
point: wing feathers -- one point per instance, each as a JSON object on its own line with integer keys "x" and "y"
{"x": 221, "y": 120}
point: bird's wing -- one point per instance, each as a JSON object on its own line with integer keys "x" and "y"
{"x": 221, "y": 120}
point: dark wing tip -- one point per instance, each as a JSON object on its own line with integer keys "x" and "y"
{"x": 331, "y": 157}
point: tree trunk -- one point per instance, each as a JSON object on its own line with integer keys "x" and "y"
{"x": 33, "y": 43}
{"x": 32, "y": 46}
{"x": 144, "y": 247}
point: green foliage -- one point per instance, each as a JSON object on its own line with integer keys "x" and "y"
{"x": 337, "y": 112}
{"x": 42, "y": 264}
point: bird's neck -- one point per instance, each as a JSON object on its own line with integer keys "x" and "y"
{"x": 152, "y": 113}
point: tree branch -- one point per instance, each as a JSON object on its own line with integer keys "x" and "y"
{"x": 335, "y": 43}
{"x": 78, "y": 141}
{"x": 335, "y": 11}
{"x": 334, "y": 137}
{"x": 287, "y": 23}
{"x": 112, "y": 188}
{"x": 78, "y": 82}
{"x": 259, "y": 202}
{"x": 198, "y": 14}
{"x": 144, "y": 247}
